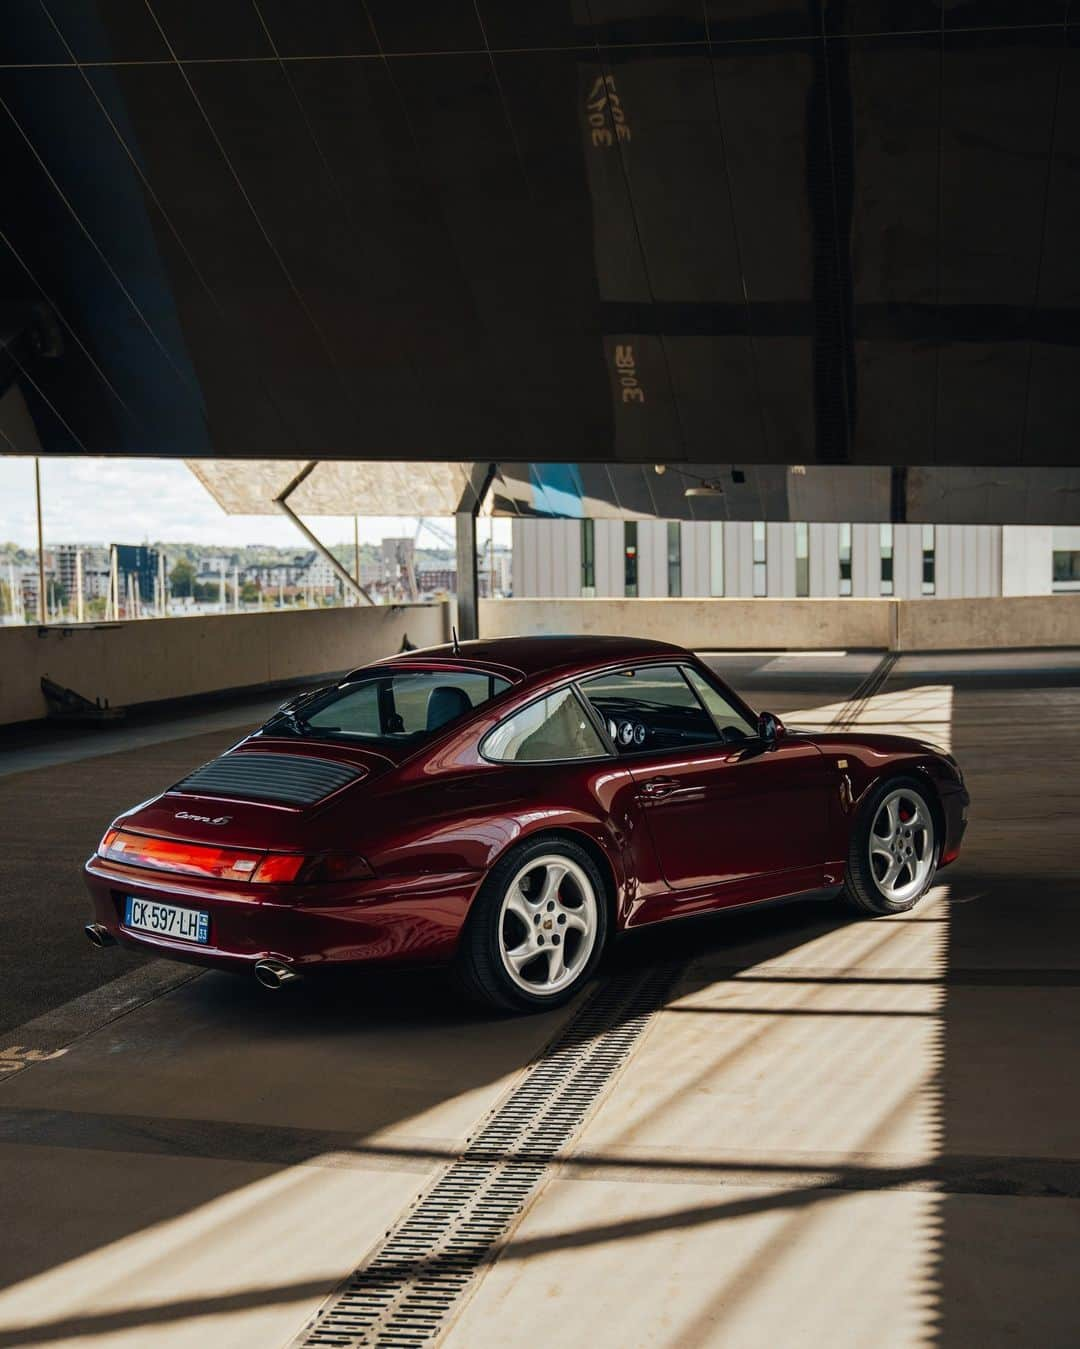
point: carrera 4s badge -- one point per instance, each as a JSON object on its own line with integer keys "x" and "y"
{"x": 202, "y": 819}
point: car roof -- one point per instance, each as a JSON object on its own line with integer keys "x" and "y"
{"x": 546, "y": 654}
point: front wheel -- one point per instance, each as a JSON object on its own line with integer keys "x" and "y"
{"x": 536, "y": 929}
{"x": 894, "y": 850}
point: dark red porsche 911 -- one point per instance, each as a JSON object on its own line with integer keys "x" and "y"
{"x": 506, "y": 807}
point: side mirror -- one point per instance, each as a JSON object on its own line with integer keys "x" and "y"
{"x": 770, "y": 727}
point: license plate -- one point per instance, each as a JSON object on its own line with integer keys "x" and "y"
{"x": 166, "y": 920}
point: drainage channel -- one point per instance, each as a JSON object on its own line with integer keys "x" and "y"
{"x": 404, "y": 1295}
{"x": 873, "y": 683}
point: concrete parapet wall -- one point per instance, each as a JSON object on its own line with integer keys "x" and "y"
{"x": 805, "y": 624}
{"x": 155, "y": 659}
{"x": 722, "y": 624}
{"x": 1002, "y": 622}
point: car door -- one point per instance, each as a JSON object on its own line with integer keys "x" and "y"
{"x": 726, "y": 811}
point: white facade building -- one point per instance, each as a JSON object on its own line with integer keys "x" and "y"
{"x": 657, "y": 558}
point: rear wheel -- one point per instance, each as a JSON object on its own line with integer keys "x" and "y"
{"x": 894, "y": 850}
{"x": 536, "y": 929}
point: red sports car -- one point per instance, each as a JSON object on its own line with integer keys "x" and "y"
{"x": 506, "y": 807}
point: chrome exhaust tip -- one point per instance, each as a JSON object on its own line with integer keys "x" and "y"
{"x": 275, "y": 974}
{"x": 99, "y": 936}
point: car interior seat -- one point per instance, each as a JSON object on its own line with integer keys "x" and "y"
{"x": 445, "y": 702}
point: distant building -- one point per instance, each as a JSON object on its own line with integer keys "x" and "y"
{"x": 95, "y": 569}
{"x": 432, "y": 579}
{"x": 140, "y": 562}
{"x": 657, "y": 558}
{"x": 301, "y": 572}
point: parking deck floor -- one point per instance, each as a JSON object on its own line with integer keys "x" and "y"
{"x": 831, "y": 1131}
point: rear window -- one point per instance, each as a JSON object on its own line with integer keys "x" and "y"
{"x": 407, "y": 706}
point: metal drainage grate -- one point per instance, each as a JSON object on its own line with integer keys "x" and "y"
{"x": 404, "y": 1294}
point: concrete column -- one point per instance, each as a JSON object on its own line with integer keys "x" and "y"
{"x": 610, "y": 573}
{"x": 695, "y": 558}
{"x": 824, "y": 560}
{"x": 652, "y": 558}
{"x": 780, "y": 559}
{"x": 738, "y": 558}
{"x": 519, "y": 548}
{"x": 716, "y": 584}
{"x": 568, "y": 558}
{"x": 468, "y": 581}
{"x": 1027, "y": 559}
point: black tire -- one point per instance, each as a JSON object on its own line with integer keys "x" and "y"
{"x": 862, "y": 891}
{"x": 479, "y": 970}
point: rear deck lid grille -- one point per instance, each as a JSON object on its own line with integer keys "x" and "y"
{"x": 293, "y": 779}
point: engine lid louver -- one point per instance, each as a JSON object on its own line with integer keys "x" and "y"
{"x": 293, "y": 779}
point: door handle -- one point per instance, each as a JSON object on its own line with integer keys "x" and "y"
{"x": 658, "y": 787}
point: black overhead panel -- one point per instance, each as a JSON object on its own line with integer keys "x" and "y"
{"x": 751, "y": 232}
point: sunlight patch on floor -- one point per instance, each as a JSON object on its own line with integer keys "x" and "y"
{"x": 924, "y": 713}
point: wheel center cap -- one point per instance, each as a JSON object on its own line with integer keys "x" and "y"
{"x": 548, "y": 924}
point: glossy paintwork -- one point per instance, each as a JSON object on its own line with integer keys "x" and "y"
{"x": 843, "y": 232}
{"x": 743, "y": 823}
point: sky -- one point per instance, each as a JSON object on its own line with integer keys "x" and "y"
{"x": 86, "y": 500}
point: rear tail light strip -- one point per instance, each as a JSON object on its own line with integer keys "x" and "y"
{"x": 229, "y": 864}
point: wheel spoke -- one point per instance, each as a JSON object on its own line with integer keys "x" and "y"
{"x": 577, "y": 921}
{"x": 553, "y": 878}
{"x": 879, "y": 848}
{"x": 520, "y": 956}
{"x": 556, "y": 963}
{"x": 519, "y": 906}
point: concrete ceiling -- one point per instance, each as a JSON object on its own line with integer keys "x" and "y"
{"x": 588, "y": 231}
{"x": 636, "y": 491}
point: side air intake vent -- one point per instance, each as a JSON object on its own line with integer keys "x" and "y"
{"x": 291, "y": 778}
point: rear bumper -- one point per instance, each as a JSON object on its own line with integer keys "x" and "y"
{"x": 417, "y": 922}
{"x": 955, "y": 808}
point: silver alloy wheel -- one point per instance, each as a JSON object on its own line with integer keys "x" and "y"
{"x": 902, "y": 845}
{"x": 548, "y": 922}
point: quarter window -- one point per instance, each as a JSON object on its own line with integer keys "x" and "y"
{"x": 552, "y": 728}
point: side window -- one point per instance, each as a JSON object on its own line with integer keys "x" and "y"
{"x": 555, "y": 727}
{"x": 648, "y": 708}
{"x": 731, "y": 724}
